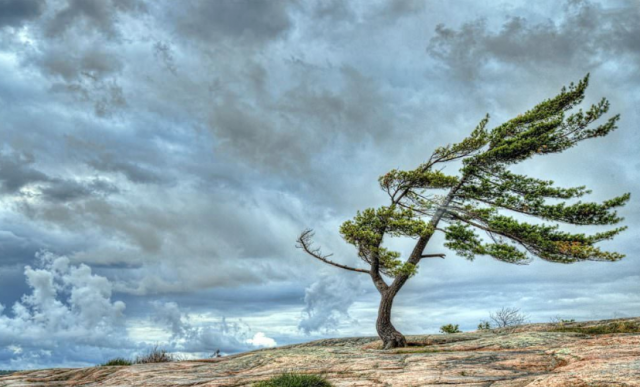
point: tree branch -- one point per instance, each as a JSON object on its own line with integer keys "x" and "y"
{"x": 491, "y": 233}
{"x": 305, "y": 243}
{"x": 378, "y": 281}
{"x": 432, "y": 256}
{"x": 418, "y": 249}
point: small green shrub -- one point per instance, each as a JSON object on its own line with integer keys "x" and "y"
{"x": 449, "y": 329}
{"x": 118, "y": 361}
{"x": 484, "y": 326}
{"x": 295, "y": 380}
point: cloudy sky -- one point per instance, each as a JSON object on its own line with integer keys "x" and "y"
{"x": 159, "y": 158}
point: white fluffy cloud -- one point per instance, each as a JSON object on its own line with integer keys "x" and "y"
{"x": 206, "y": 337}
{"x": 327, "y": 303}
{"x": 260, "y": 340}
{"x": 67, "y": 318}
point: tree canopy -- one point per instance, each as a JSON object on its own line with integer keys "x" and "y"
{"x": 486, "y": 189}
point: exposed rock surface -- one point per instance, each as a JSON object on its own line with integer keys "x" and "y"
{"x": 567, "y": 355}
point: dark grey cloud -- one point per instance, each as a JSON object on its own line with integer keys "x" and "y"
{"x": 14, "y": 13}
{"x": 82, "y": 51}
{"x": 101, "y": 154}
{"x": 91, "y": 15}
{"x": 334, "y": 10}
{"x": 164, "y": 53}
{"x": 134, "y": 172}
{"x": 288, "y": 132}
{"x": 396, "y": 9}
{"x": 94, "y": 63}
{"x": 16, "y": 172}
{"x": 586, "y": 35}
{"x": 68, "y": 190}
{"x": 106, "y": 97}
{"x": 15, "y": 250}
{"x": 247, "y": 20}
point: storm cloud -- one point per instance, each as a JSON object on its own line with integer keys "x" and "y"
{"x": 13, "y": 13}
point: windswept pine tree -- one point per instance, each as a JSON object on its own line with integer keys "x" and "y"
{"x": 483, "y": 198}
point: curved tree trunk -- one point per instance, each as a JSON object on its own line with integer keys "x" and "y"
{"x": 390, "y": 337}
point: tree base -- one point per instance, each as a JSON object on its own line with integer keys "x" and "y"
{"x": 389, "y": 335}
{"x": 395, "y": 340}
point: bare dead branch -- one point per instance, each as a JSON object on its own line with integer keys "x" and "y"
{"x": 508, "y": 317}
{"x": 305, "y": 243}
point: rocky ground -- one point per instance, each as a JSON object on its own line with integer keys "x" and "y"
{"x": 552, "y": 355}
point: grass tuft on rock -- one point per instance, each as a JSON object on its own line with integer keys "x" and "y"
{"x": 155, "y": 355}
{"x": 118, "y": 361}
{"x": 294, "y": 380}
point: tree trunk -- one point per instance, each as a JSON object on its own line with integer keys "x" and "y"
{"x": 390, "y": 337}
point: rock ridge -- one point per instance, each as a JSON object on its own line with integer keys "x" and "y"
{"x": 583, "y": 354}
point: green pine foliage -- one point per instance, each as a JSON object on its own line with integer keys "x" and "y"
{"x": 484, "y": 207}
{"x": 450, "y": 329}
{"x": 366, "y": 231}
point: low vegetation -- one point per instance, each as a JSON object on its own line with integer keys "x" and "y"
{"x": 603, "y": 329}
{"x": 6, "y": 372}
{"x": 154, "y": 355}
{"x": 295, "y": 380}
{"x": 449, "y": 329}
{"x": 118, "y": 361}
